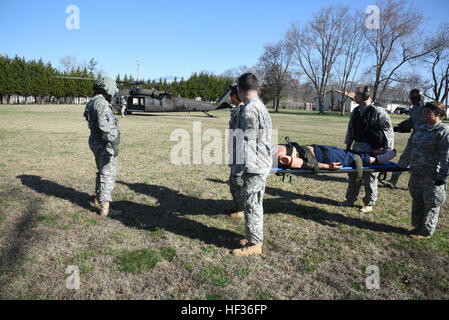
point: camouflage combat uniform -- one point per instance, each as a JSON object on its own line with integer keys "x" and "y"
{"x": 235, "y": 177}
{"x": 104, "y": 138}
{"x": 122, "y": 106}
{"x": 369, "y": 179}
{"x": 254, "y": 120}
{"x": 427, "y": 152}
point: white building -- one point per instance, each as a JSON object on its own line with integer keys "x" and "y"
{"x": 390, "y": 106}
{"x": 332, "y": 100}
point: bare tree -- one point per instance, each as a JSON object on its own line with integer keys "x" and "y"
{"x": 353, "y": 42}
{"x": 438, "y": 61}
{"x": 412, "y": 80}
{"x": 276, "y": 62}
{"x": 68, "y": 63}
{"x": 397, "y": 41}
{"x": 317, "y": 46}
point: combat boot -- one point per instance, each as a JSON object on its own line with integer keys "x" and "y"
{"x": 237, "y": 215}
{"x": 248, "y": 250}
{"x": 419, "y": 237}
{"x": 106, "y": 211}
{"x": 97, "y": 203}
{"x": 366, "y": 209}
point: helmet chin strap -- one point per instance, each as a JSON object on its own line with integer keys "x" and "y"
{"x": 107, "y": 97}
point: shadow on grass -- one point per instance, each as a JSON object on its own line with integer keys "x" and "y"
{"x": 272, "y": 206}
{"x": 287, "y": 195}
{"x": 19, "y": 238}
{"x": 168, "y": 215}
{"x": 51, "y": 188}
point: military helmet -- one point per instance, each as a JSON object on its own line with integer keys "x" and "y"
{"x": 107, "y": 85}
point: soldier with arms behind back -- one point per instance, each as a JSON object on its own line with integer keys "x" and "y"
{"x": 104, "y": 141}
{"x": 254, "y": 121}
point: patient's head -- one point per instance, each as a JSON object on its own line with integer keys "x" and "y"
{"x": 292, "y": 161}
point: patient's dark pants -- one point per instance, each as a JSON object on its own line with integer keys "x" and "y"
{"x": 329, "y": 154}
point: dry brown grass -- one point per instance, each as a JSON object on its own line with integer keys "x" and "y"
{"x": 313, "y": 248}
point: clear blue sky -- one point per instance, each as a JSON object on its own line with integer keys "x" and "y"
{"x": 172, "y": 38}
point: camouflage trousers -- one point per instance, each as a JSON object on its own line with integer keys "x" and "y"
{"x": 107, "y": 172}
{"x": 252, "y": 192}
{"x": 235, "y": 186}
{"x": 369, "y": 181}
{"x": 427, "y": 199}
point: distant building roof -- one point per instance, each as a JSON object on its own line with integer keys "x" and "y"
{"x": 348, "y": 94}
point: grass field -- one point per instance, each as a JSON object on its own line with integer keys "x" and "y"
{"x": 174, "y": 239}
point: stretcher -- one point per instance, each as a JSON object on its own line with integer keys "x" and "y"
{"x": 382, "y": 168}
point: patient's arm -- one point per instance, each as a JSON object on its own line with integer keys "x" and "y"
{"x": 325, "y": 166}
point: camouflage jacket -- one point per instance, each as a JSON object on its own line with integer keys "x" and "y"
{"x": 102, "y": 123}
{"x": 383, "y": 120}
{"x": 255, "y": 124}
{"x": 427, "y": 151}
{"x": 123, "y": 102}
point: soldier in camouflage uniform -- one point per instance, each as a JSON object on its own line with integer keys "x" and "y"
{"x": 104, "y": 141}
{"x": 427, "y": 152}
{"x": 255, "y": 123}
{"x": 235, "y": 178}
{"x": 122, "y": 106}
{"x": 370, "y": 129}
{"x": 413, "y": 123}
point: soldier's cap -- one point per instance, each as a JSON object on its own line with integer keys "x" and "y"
{"x": 436, "y": 106}
{"x": 107, "y": 84}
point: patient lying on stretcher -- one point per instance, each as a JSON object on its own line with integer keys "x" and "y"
{"x": 328, "y": 157}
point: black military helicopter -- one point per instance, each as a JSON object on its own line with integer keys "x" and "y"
{"x": 151, "y": 100}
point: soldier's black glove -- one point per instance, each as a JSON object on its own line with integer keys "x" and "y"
{"x": 439, "y": 182}
{"x": 403, "y": 127}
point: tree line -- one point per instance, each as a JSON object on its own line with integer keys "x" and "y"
{"x": 41, "y": 80}
{"x": 38, "y": 79}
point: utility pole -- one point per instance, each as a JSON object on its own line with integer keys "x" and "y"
{"x": 138, "y": 67}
